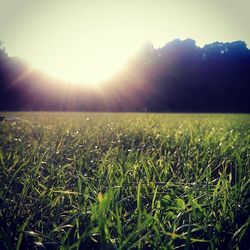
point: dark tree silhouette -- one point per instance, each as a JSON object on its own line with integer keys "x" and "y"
{"x": 179, "y": 77}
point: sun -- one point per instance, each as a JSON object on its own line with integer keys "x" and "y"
{"x": 84, "y": 43}
{"x": 87, "y": 61}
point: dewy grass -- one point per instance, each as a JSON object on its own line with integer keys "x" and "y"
{"x": 124, "y": 181}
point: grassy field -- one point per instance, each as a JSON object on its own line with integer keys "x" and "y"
{"x": 124, "y": 181}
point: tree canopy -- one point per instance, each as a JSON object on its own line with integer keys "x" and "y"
{"x": 179, "y": 77}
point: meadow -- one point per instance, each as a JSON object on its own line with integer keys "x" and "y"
{"x": 124, "y": 181}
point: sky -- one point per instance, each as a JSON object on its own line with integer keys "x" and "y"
{"x": 88, "y": 41}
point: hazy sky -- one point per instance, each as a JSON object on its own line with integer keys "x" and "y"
{"x": 62, "y": 36}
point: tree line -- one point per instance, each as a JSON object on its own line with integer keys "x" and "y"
{"x": 179, "y": 77}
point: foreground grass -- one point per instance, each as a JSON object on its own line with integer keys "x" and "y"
{"x": 124, "y": 181}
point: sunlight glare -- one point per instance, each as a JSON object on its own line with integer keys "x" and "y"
{"x": 87, "y": 61}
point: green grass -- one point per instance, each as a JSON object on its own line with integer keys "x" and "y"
{"x": 124, "y": 181}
